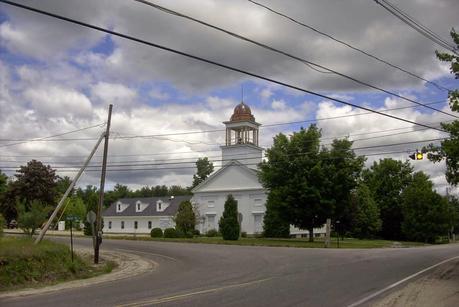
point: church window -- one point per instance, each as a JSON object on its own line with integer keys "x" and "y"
{"x": 110, "y": 225}
{"x": 136, "y": 225}
{"x": 149, "y": 224}
{"x": 122, "y": 224}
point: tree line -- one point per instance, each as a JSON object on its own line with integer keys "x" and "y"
{"x": 308, "y": 184}
{"x": 34, "y": 191}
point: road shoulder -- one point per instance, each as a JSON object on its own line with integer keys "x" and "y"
{"x": 439, "y": 288}
{"x": 129, "y": 265}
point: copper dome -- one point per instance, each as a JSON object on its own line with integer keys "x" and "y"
{"x": 242, "y": 112}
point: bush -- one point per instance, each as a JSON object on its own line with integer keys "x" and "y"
{"x": 244, "y": 234}
{"x": 156, "y": 233}
{"x": 170, "y": 233}
{"x": 196, "y": 232}
{"x": 228, "y": 224}
{"x": 185, "y": 219}
{"x": 211, "y": 233}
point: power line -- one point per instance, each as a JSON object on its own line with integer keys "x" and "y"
{"x": 416, "y": 25}
{"x": 234, "y": 155}
{"x": 46, "y": 138}
{"x": 214, "y": 130}
{"x": 191, "y": 56}
{"x": 226, "y": 160}
{"x": 302, "y": 60}
{"x": 348, "y": 45}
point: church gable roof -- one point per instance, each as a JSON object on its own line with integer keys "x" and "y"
{"x": 231, "y": 177}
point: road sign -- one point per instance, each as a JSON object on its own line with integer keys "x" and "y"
{"x": 91, "y": 217}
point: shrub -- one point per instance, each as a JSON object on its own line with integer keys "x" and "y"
{"x": 156, "y": 233}
{"x": 181, "y": 234}
{"x": 244, "y": 234}
{"x": 196, "y": 232}
{"x": 185, "y": 219}
{"x": 212, "y": 233}
{"x": 229, "y": 224}
{"x": 170, "y": 233}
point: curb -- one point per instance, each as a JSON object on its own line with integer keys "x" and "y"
{"x": 129, "y": 265}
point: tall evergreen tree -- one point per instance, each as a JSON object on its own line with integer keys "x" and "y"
{"x": 185, "y": 219}
{"x": 229, "y": 224}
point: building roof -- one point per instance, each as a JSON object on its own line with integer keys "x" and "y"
{"x": 222, "y": 170}
{"x": 150, "y": 210}
{"x": 242, "y": 112}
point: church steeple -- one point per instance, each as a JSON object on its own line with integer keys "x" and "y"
{"x": 241, "y": 141}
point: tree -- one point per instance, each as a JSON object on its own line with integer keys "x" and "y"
{"x": 366, "y": 221}
{"x": 34, "y": 182}
{"x": 449, "y": 148}
{"x": 62, "y": 185}
{"x": 75, "y": 208}
{"x": 229, "y": 224}
{"x": 386, "y": 180}
{"x": 274, "y": 226}
{"x": 426, "y": 213}
{"x": 7, "y": 201}
{"x": 185, "y": 219}
{"x": 32, "y": 219}
{"x": 3, "y": 183}
{"x": 296, "y": 172}
{"x": 204, "y": 169}
{"x": 119, "y": 191}
{"x": 90, "y": 197}
{"x": 344, "y": 169}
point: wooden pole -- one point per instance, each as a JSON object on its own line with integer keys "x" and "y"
{"x": 101, "y": 190}
{"x": 61, "y": 202}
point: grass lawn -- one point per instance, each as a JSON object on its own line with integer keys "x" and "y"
{"x": 23, "y": 264}
{"x": 302, "y": 243}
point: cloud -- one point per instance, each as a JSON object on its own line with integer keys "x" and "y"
{"x": 54, "y": 101}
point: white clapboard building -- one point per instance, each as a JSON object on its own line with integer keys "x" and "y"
{"x": 238, "y": 176}
{"x": 141, "y": 215}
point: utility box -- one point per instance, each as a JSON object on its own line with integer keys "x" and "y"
{"x": 61, "y": 226}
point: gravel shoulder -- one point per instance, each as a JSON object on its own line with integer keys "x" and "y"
{"x": 129, "y": 265}
{"x": 439, "y": 288}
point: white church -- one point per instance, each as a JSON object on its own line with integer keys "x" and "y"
{"x": 238, "y": 176}
{"x": 241, "y": 155}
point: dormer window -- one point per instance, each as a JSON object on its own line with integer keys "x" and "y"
{"x": 161, "y": 206}
{"x": 138, "y": 207}
{"x": 119, "y": 207}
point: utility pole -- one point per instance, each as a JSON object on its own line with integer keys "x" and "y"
{"x": 74, "y": 181}
{"x": 101, "y": 190}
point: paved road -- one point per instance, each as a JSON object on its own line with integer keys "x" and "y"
{"x": 210, "y": 275}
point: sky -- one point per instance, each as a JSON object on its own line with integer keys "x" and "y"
{"x": 57, "y": 77}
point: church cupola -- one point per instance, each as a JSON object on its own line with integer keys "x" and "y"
{"x": 242, "y": 128}
{"x": 241, "y": 141}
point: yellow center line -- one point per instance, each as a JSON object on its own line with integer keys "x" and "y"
{"x": 186, "y": 295}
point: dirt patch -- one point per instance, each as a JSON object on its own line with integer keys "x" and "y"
{"x": 440, "y": 289}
